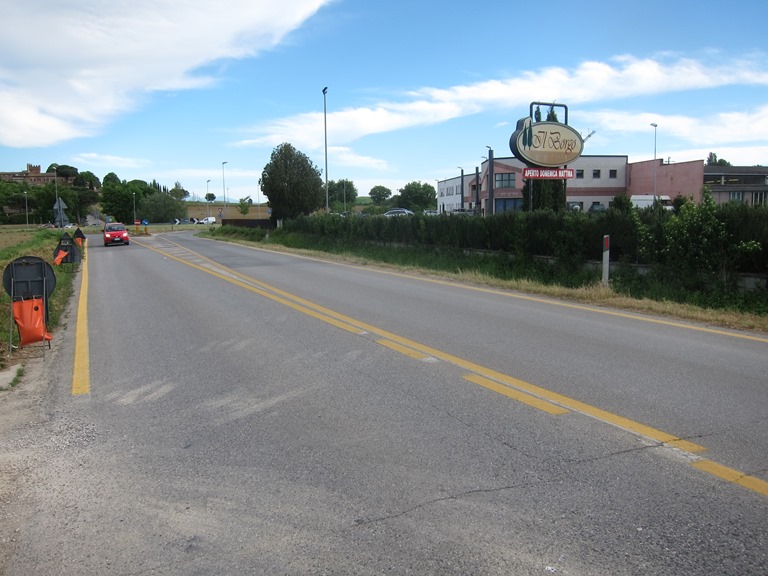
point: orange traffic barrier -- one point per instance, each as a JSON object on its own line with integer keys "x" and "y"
{"x": 29, "y": 316}
{"x": 60, "y": 255}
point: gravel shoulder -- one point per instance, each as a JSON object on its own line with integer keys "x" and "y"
{"x": 22, "y": 422}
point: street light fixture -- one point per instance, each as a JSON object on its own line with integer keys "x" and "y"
{"x": 325, "y": 130}
{"x": 134, "y": 208}
{"x": 207, "y": 202}
{"x": 462, "y": 186}
{"x": 57, "y": 218}
{"x": 26, "y": 207}
{"x": 654, "y": 158}
{"x": 490, "y": 180}
{"x": 224, "y": 186}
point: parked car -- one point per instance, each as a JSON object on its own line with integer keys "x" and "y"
{"x": 115, "y": 233}
{"x": 431, "y": 213}
{"x": 398, "y": 212}
{"x": 207, "y": 220}
{"x": 597, "y": 207}
{"x": 647, "y": 200}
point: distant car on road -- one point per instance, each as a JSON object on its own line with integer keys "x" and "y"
{"x": 207, "y": 220}
{"x": 115, "y": 233}
{"x": 431, "y": 213}
{"x": 398, "y": 212}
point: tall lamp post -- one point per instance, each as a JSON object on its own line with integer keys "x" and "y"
{"x": 462, "y": 186}
{"x": 57, "y": 218}
{"x": 654, "y": 159}
{"x": 490, "y": 180}
{"x": 26, "y": 207}
{"x": 134, "y": 209}
{"x": 477, "y": 190}
{"x": 207, "y": 202}
{"x": 224, "y": 187}
{"x": 325, "y": 130}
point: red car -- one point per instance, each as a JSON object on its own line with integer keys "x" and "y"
{"x": 115, "y": 233}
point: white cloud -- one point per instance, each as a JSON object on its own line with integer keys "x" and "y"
{"x": 723, "y": 128}
{"x": 80, "y": 63}
{"x": 95, "y": 160}
{"x": 591, "y": 82}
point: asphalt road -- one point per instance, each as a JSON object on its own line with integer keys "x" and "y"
{"x": 241, "y": 411}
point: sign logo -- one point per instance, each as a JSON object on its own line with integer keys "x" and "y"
{"x": 548, "y": 144}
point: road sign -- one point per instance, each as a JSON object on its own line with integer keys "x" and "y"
{"x": 548, "y": 173}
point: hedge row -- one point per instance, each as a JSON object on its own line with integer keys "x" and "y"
{"x": 696, "y": 246}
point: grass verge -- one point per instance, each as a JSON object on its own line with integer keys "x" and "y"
{"x": 41, "y": 244}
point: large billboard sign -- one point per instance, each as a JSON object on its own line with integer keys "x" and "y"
{"x": 548, "y": 144}
{"x": 545, "y": 144}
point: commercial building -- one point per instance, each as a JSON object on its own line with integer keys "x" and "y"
{"x": 747, "y": 184}
{"x": 597, "y": 179}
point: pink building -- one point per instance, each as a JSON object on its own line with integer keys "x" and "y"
{"x": 655, "y": 177}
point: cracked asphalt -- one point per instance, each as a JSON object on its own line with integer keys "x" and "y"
{"x": 227, "y": 432}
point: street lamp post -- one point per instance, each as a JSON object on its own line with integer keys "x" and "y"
{"x": 654, "y": 159}
{"x": 207, "y": 202}
{"x": 477, "y": 190}
{"x": 490, "y": 180}
{"x": 462, "y": 186}
{"x": 325, "y": 130}
{"x": 224, "y": 187}
{"x": 26, "y": 207}
{"x": 134, "y": 207}
{"x": 57, "y": 218}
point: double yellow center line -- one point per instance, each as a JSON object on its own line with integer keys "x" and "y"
{"x": 519, "y": 390}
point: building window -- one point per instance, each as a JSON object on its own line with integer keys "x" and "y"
{"x": 595, "y": 173}
{"x": 760, "y": 198}
{"x": 736, "y": 196}
{"x": 579, "y": 174}
{"x": 613, "y": 174}
{"x": 504, "y": 180}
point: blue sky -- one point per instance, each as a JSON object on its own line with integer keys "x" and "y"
{"x": 168, "y": 90}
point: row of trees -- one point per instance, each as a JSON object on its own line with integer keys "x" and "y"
{"x": 122, "y": 200}
{"x": 294, "y": 187}
{"x": 78, "y": 190}
{"x": 82, "y": 191}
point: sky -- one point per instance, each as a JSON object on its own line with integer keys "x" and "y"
{"x": 201, "y": 92}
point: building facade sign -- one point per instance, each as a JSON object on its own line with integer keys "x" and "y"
{"x": 547, "y": 173}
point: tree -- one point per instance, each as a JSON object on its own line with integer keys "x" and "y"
{"x": 87, "y": 180}
{"x": 713, "y": 160}
{"x": 341, "y": 193}
{"x": 62, "y": 170}
{"x": 116, "y": 198}
{"x": 418, "y": 196}
{"x": 210, "y": 197}
{"x": 291, "y": 183}
{"x": 178, "y": 192}
{"x": 245, "y": 205}
{"x": 161, "y": 207}
{"x": 379, "y": 194}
